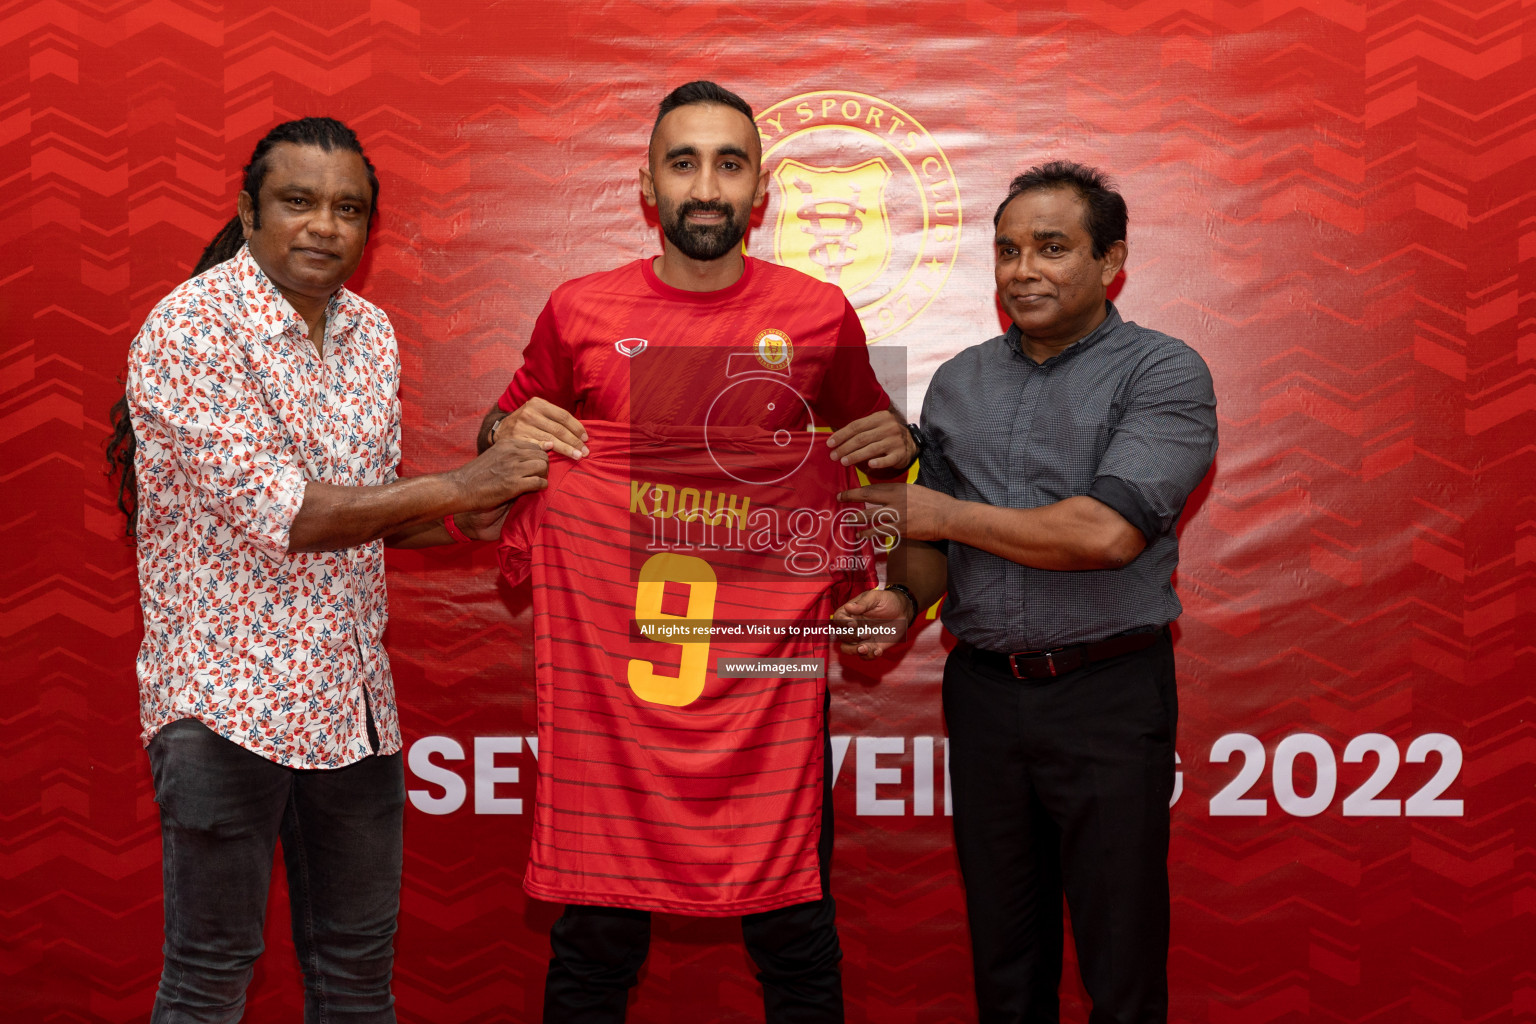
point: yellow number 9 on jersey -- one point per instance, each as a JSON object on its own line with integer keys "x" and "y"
{"x": 693, "y": 657}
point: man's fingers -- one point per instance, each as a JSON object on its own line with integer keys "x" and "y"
{"x": 562, "y": 426}
{"x": 566, "y": 446}
{"x": 543, "y": 430}
{"x": 850, "y": 449}
{"x": 875, "y": 422}
{"x": 864, "y": 649}
{"x": 530, "y": 470}
{"x": 880, "y": 439}
{"x": 543, "y": 422}
{"x": 858, "y": 426}
{"x": 531, "y": 482}
{"x": 875, "y": 494}
{"x": 523, "y": 452}
{"x": 882, "y": 457}
{"x": 524, "y": 458}
{"x": 537, "y": 465}
{"x": 857, "y": 606}
{"x": 877, "y": 613}
{"x": 565, "y": 440}
{"x": 844, "y": 438}
{"x": 562, "y": 418}
{"x": 877, "y": 455}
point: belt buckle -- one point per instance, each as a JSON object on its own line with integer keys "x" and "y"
{"x": 1050, "y": 663}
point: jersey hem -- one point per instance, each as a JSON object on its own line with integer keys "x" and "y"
{"x": 689, "y": 908}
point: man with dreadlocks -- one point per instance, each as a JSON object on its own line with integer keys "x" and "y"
{"x": 262, "y": 396}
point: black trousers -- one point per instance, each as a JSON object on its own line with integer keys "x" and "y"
{"x": 598, "y": 952}
{"x": 1061, "y": 786}
{"x": 222, "y": 811}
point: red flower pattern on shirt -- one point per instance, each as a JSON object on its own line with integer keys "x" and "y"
{"x": 235, "y": 412}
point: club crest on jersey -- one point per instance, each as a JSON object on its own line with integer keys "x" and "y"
{"x": 774, "y": 350}
{"x": 630, "y": 347}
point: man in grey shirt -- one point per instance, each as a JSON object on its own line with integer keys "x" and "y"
{"x": 1056, "y": 460}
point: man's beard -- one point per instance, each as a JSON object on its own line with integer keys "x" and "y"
{"x": 701, "y": 242}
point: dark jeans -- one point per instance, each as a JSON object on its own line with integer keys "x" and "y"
{"x": 1062, "y": 786}
{"x": 598, "y": 952}
{"x": 222, "y": 810}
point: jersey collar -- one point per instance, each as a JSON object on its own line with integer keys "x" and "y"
{"x": 666, "y": 291}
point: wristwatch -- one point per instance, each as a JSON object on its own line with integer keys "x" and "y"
{"x": 905, "y": 591}
{"x": 919, "y": 440}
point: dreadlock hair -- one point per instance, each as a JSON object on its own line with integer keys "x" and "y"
{"x": 325, "y": 133}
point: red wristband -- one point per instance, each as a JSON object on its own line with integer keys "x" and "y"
{"x": 458, "y": 535}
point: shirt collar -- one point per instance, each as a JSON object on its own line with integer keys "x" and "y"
{"x": 268, "y": 314}
{"x": 1015, "y": 338}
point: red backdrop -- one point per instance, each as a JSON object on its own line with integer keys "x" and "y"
{"x": 1331, "y": 201}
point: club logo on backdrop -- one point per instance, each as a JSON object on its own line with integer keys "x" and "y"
{"x": 865, "y": 199}
{"x": 833, "y": 218}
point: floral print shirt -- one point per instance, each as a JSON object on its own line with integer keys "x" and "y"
{"x": 235, "y": 412}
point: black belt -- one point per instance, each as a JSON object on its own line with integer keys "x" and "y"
{"x": 1060, "y": 660}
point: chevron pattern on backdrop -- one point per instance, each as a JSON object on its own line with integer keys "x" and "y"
{"x": 1331, "y": 201}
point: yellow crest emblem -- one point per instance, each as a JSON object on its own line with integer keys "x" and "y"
{"x": 774, "y": 350}
{"x": 863, "y": 198}
{"x": 832, "y": 221}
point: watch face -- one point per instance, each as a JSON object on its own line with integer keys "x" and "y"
{"x": 759, "y": 430}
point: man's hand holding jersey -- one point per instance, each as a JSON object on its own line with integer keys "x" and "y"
{"x": 497, "y": 477}
{"x": 915, "y": 516}
{"x": 879, "y": 441}
{"x": 873, "y": 613}
{"x": 539, "y": 422}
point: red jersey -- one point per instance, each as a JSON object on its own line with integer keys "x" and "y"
{"x": 623, "y": 346}
{"x": 680, "y": 768}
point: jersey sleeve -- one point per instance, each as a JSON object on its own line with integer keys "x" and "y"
{"x": 850, "y": 390}
{"x": 547, "y": 370}
{"x": 520, "y": 530}
{"x": 514, "y": 552}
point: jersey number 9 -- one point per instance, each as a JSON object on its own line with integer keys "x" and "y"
{"x": 693, "y": 657}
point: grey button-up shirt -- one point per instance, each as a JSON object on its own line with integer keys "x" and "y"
{"x": 1127, "y": 416}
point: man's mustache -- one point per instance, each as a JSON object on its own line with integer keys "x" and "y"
{"x": 699, "y": 206}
